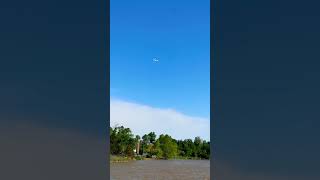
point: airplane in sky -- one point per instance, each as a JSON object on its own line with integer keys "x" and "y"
{"x": 155, "y": 59}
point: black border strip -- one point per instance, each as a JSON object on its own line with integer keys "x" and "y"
{"x": 105, "y": 9}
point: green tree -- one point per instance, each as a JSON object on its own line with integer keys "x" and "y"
{"x": 157, "y": 149}
{"x": 168, "y": 146}
{"x": 181, "y": 151}
{"x": 145, "y": 143}
{"x": 188, "y": 147}
{"x": 197, "y": 146}
{"x": 138, "y": 138}
{"x": 146, "y": 139}
{"x": 123, "y": 142}
{"x": 152, "y": 137}
{"x": 205, "y": 150}
{"x": 113, "y": 141}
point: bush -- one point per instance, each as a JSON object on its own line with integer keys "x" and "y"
{"x": 139, "y": 158}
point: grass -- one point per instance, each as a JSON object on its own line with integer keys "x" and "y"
{"x": 115, "y": 159}
{"x": 119, "y": 159}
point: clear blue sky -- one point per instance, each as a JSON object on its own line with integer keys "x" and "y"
{"x": 178, "y": 33}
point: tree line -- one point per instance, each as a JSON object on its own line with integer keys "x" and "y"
{"x": 124, "y": 143}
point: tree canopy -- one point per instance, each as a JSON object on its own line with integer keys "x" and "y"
{"x": 123, "y": 142}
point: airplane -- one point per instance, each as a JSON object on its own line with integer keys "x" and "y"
{"x": 155, "y": 60}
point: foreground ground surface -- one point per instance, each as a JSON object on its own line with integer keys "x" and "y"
{"x": 161, "y": 169}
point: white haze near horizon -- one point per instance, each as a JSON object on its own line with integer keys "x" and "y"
{"x": 143, "y": 119}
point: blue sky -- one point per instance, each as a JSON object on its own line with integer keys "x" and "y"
{"x": 178, "y": 33}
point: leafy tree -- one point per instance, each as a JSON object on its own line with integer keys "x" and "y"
{"x": 145, "y": 143}
{"x": 113, "y": 141}
{"x": 152, "y": 137}
{"x": 188, "y": 147}
{"x": 123, "y": 142}
{"x": 205, "y": 150}
{"x": 146, "y": 139}
{"x": 157, "y": 149}
{"x": 181, "y": 151}
{"x": 197, "y": 144}
{"x": 168, "y": 146}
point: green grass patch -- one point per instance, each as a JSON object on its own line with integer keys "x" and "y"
{"x": 115, "y": 159}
